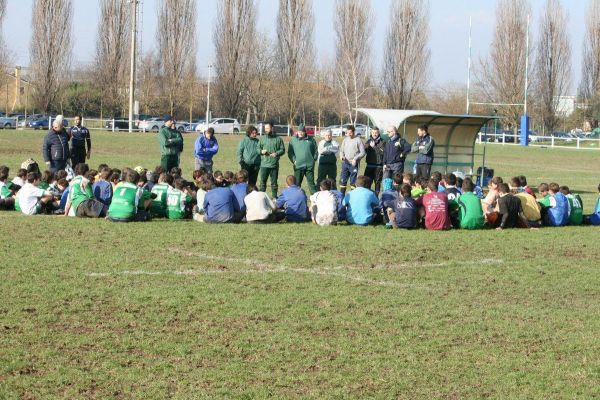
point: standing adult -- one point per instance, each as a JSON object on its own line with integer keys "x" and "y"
{"x": 328, "y": 152}
{"x": 351, "y": 152}
{"x": 302, "y": 152}
{"x": 394, "y": 153}
{"x": 171, "y": 144}
{"x": 55, "y": 149}
{"x": 374, "y": 157}
{"x": 80, "y": 139}
{"x": 423, "y": 146}
{"x": 248, "y": 155}
{"x": 205, "y": 149}
{"x": 271, "y": 148}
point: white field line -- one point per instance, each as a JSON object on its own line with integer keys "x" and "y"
{"x": 261, "y": 267}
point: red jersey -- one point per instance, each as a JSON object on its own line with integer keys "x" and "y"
{"x": 436, "y": 211}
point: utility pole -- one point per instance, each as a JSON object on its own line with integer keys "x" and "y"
{"x": 134, "y": 4}
{"x": 208, "y": 96}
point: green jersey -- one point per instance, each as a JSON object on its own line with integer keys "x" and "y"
{"x": 5, "y": 190}
{"x": 176, "y": 202}
{"x": 416, "y": 193}
{"x": 576, "y": 206}
{"x": 471, "y": 214}
{"x": 546, "y": 201}
{"x": 159, "y": 204}
{"x": 43, "y": 185}
{"x": 125, "y": 201}
{"x": 79, "y": 191}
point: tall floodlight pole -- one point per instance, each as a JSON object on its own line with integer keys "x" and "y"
{"x": 208, "y": 96}
{"x": 134, "y": 4}
{"x": 469, "y": 67}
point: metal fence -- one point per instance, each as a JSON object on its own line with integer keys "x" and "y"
{"x": 578, "y": 143}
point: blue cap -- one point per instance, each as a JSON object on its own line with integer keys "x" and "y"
{"x": 168, "y": 117}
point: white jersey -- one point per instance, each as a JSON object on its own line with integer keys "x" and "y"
{"x": 326, "y": 204}
{"x": 28, "y": 196}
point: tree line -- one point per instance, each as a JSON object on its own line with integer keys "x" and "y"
{"x": 257, "y": 76}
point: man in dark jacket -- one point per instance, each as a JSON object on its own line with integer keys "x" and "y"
{"x": 80, "y": 137}
{"x": 171, "y": 144}
{"x": 394, "y": 153}
{"x": 302, "y": 152}
{"x": 55, "y": 149}
{"x": 374, "y": 157}
{"x": 423, "y": 146}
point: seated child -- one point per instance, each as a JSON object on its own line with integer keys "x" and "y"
{"x": 531, "y": 208}
{"x": 575, "y": 205}
{"x": 435, "y": 208}
{"x": 240, "y": 188}
{"x": 7, "y": 190}
{"x": 361, "y": 203}
{"x": 419, "y": 188}
{"x": 81, "y": 197}
{"x": 158, "y": 208}
{"x": 260, "y": 209}
{"x": 511, "y": 212}
{"x": 490, "y": 203}
{"x": 469, "y": 205}
{"x": 130, "y": 202}
{"x": 102, "y": 187}
{"x": 293, "y": 201}
{"x": 524, "y": 186}
{"x": 594, "y": 218}
{"x": 178, "y": 201}
{"x": 324, "y": 205}
{"x": 555, "y": 204}
{"x": 32, "y": 199}
{"x": 220, "y": 205}
{"x": 402, "y": 210}
{"x": 341, "y": 210}
{"x": 21, "y": 178}
{"x": 451, "y": 190}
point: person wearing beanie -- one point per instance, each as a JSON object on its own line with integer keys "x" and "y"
{"x": 302, "y": 152}
{"x": 171, "y": 144}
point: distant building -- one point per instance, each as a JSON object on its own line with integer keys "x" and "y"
{"x": 14, "y": 90}
{"x": 566, "y": 105}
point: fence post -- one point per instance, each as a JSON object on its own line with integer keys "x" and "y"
{"x": 49, "y": 122}
{"x": 552, "y": 141}
{"x": 113, "y": 125}
{"x": 578, "y": 138}
{"x": 503, "y": 138}
{"x": 288, "y": 130}
{"x": 480, "y": 138}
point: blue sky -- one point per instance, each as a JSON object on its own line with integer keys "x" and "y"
{"x": 449, "y": 20}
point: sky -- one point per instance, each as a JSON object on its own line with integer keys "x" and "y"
{"x": 449, "y": 32}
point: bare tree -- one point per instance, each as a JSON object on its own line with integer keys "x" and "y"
{"x": 50, "y": 50}
{"x": 406, "y": 55}
{"x": 553, "y": 62}
{"x": 295, "y": 49}
{"x": 148, "y": 88}
{"x": 176, "y": 45}
{"x": 112, "y": 52}
{"x": 234, "y": 45}
{"x": 2, "y": 13}
{"x": 501, "y": 76}
{"x": 590, "y": 79}
{"x": 353, "y": 32}
{"x": 262, "y": 74}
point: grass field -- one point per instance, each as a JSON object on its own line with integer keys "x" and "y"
{"x": 182, "y": 310}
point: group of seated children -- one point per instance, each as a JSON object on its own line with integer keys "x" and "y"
{"x": 438, "y": 203}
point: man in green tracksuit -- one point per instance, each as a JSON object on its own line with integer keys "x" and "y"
{"x": 271, "y": 148}
{"x": 248, "y": 156}
{"x": 302, "y": 152}
{"x": 171, "y": 144}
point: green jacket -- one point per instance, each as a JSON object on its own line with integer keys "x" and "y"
{"x": 272, "y": 144}
{"x": 170, "y": 140}
{"x": 303, "y": 152}
{"x": 247, "y": 151}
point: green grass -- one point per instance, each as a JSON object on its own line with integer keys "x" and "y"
{"x": 183, "y": 310}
